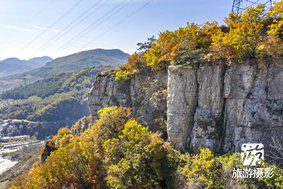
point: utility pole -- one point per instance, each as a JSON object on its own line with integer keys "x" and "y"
{"x": 25, "y": 80}
{"x": 25, "y": 84}
{"x": 241, "y": 5}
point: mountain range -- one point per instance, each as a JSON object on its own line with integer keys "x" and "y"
{"x": 11, "y": 66}
{"x": 73, "y": 62}
{"x": 55, "y": 93}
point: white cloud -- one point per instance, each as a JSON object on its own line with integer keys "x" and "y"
{"x": 16, "y": 28}
{"x": 42, "y": 28}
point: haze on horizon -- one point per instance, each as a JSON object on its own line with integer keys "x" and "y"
{"x": 33, "y": 28}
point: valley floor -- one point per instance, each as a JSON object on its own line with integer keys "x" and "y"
{"x": 5, "y": 164}
{"x": 17, "y": 154}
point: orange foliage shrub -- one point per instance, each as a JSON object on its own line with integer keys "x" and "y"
{"x": 254, "y": 33}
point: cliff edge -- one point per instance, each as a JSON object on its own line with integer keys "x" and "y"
{"x": 207, "y": 105}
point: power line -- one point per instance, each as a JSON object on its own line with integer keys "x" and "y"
{"x": 94, "y": 25}
{"x": 53, "y": 24}
{"x": 120, "y": 22}
{"x": 33, "y": 16}
{"x": 73, "y": 24}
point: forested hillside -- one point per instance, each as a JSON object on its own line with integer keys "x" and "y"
{"x": 74, "y": 62}
{"x": 60, "y": 99}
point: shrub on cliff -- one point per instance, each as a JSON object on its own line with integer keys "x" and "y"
{"x": 205, "y": 170}
{"x": 135, "y": 63}
{"x": 254, "y": 33}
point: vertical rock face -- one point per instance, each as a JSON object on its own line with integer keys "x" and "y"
{"x": 145, "y": 93}
{"x": 182, "y": 101}
{"x": 232, "y": 105}
{"x": 195, "y": 115}
{"x": 107, "y": 91}
{"x": 208, "y": 117}
{"x": 208, "y": 105}
{"x": 254, "y": 105}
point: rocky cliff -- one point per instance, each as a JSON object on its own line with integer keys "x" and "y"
{"x": 221, "y": 107}
{"x": 145, "y": 93}
{"x": 212, "y": 105}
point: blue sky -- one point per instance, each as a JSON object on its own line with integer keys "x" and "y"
{"x": 23, "y": 23}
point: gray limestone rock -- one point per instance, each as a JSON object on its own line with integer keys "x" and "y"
{"x": 181, "y": 103}
{"x": 208, "y": 105}
{"x": 144, "y": 93}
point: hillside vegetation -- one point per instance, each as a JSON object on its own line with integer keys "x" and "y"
{"x": 66, "y": 82}
{"x": 118, "y": 152}
{"x": 42, "y": 88}
{"x": 60, "y": 98}
{"x": 255, "y": 33}
{"x": 74, "y": 62}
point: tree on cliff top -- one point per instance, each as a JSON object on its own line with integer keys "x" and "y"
{"x": 255, "y": 33}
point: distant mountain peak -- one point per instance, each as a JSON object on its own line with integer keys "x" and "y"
{"x": 11, "y": 66}
{"x": 42, "y": 57}
{"x": 12, "y": 59}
